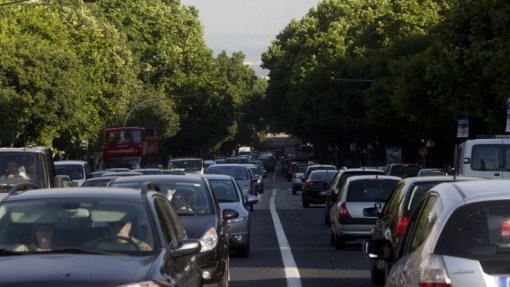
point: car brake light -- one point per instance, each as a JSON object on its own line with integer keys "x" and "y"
{"x": 505, "y": 229}
{"x": 343, "y": 212}
{"x": 433, "y": 272}
{"x": 402, "y": 225}
{"x": 310, "y": 183}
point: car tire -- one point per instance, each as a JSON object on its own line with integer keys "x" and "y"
{"x": 245, "y": 250}
{"x": 378, "y": 276}
{"x": 327, "y": 221}
{"x": 293, "y": 191}
{"x": 339, "y": 243}
{"x": 306, "y": 204}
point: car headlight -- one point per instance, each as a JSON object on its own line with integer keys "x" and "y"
{"x": 259, "y": 181}
{"x": 209, "y": 240}
{"x": 142, "y": 284}
{"x": 236, "y": 220}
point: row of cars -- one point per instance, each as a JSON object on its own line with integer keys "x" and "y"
{"x": 139, "y": 230}
{"x": 423, "y": 230}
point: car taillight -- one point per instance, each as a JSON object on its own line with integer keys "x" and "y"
{"x": 505, "y": 229}
{"x": 402, "y": 225}
{"x": 310, "y": 183}
{"x": 343, "y": 212}
{"x": 433, "y": 273}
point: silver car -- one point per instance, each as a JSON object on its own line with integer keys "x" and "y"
{"x": 229, "y": 195}
{"x": 459, "y": 235}
{"x": 359, "y": 192}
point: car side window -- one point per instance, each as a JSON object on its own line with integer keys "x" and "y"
{"x": 424, "y": 222}
{"x": 163, "y": 211}
{"x": 394, "y": 199}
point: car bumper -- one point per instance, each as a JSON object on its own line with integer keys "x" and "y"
{"x": 354, "y": 230}
{"x": 212, "y": 263}
{"x": 313, "y": 196}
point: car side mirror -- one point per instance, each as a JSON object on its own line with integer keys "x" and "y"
{"x": 185, "y": 248}
{"x": 229, "y": 214}
{"x": 252, "y": 199}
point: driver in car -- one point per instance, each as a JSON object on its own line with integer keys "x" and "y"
{"x": 14, "y": 171}
{"x": 120, "y": 237}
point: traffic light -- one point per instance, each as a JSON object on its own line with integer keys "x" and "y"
{"x": 332, "y": 76}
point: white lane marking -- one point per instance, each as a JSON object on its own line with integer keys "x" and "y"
{"x": 291, "y": 270}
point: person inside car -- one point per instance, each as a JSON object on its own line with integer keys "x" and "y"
{"x": 44, "y": 235}
{"x": 180, "y": 203}
{"x": 119, "y": 237}
{"x": 14, "y": 171}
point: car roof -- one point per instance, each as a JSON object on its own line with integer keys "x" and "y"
{"x": 475, "y": 191}
{"x": 440, "y": 178}
{"x": 76, "y": 193}
{"x": 372, "y": 176}
{"x": 159, "y": 177}
{"x": 217, "y": 176}
{"x": 77, "y": 162}
{"x": 185, "y": 158}
{"x": 243, "y": 165}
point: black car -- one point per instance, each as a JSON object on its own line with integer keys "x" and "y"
{"x": 313, "y": 189}
{"x": 199, "y": 212}
{"x": 94, "y": 237}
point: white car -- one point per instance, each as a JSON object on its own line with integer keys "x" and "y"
{"x": 77, "y": 170}
{"x": 458, "y": 236}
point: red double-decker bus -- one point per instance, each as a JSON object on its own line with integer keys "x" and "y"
{"x": 131, "y": 147}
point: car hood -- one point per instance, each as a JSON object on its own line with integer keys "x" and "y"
{"x": 73, "y": 270}
{"x": 196, "y": 226}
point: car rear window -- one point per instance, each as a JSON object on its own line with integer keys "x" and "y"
{"x": 237, "y": 172}
{"x": 322, "y": 176}
{"x": 479, "y": 231}
{"x": 370, "y": 190}
{"x": 404, "y": 170}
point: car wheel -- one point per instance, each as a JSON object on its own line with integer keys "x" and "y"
{"x": 339, "y": 243}
{"x": 306, "y": 204}
{"x": 331, "y": 238}
{"x": 378, "y": 276}
{"x": 293, "y": 191}
{"x": 326, "y": 219}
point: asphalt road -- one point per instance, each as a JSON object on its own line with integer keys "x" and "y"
{"x": 317, "y": 263}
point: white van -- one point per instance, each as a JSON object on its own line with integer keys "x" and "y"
{"x": 487, "y": 158}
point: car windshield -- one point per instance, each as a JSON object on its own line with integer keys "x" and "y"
{"x": 237, "y": 172}
{"x": 74, "y": 171}
{"x": 479, "y": 231}
{"x": 370, "y": 190}
{"x": 80, "y": 224}
{"x": 194, "y": 193}
{"x": 17, "y": 168}
{"x": 224, "y": 190}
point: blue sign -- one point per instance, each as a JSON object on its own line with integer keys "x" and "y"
{"x": 463, "y": 128}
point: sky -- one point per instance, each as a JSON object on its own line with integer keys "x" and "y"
{"x": 247, "y": 25}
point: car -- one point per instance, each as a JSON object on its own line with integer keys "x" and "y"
{"x": 457, "y": 236}
{"x": 348, "y": 221}
{"x": 229, "y": 195}
{"x": 432, "y": 171}
{"x": 190, "y": 165}
{"x": 392, "y": 220}
{"x": 71, "y": 237}
{"x": 176, "y": 171}
{"x": 313, "y": 167}
{"x": 338, "y": 182}
{"x": 77, "y": 170}
{"x": 121, "y": 173}
{"x": 193, "y": 200}
{"x": 297, "y": 177}
{"x": 239, "y": 172}
{"x": 98, "y": 181}
{"x": 148, "y": 170}
{"x": 259, "y": 175}
{"x": 314, "y": 187}
{"x": 402, "y": 170}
